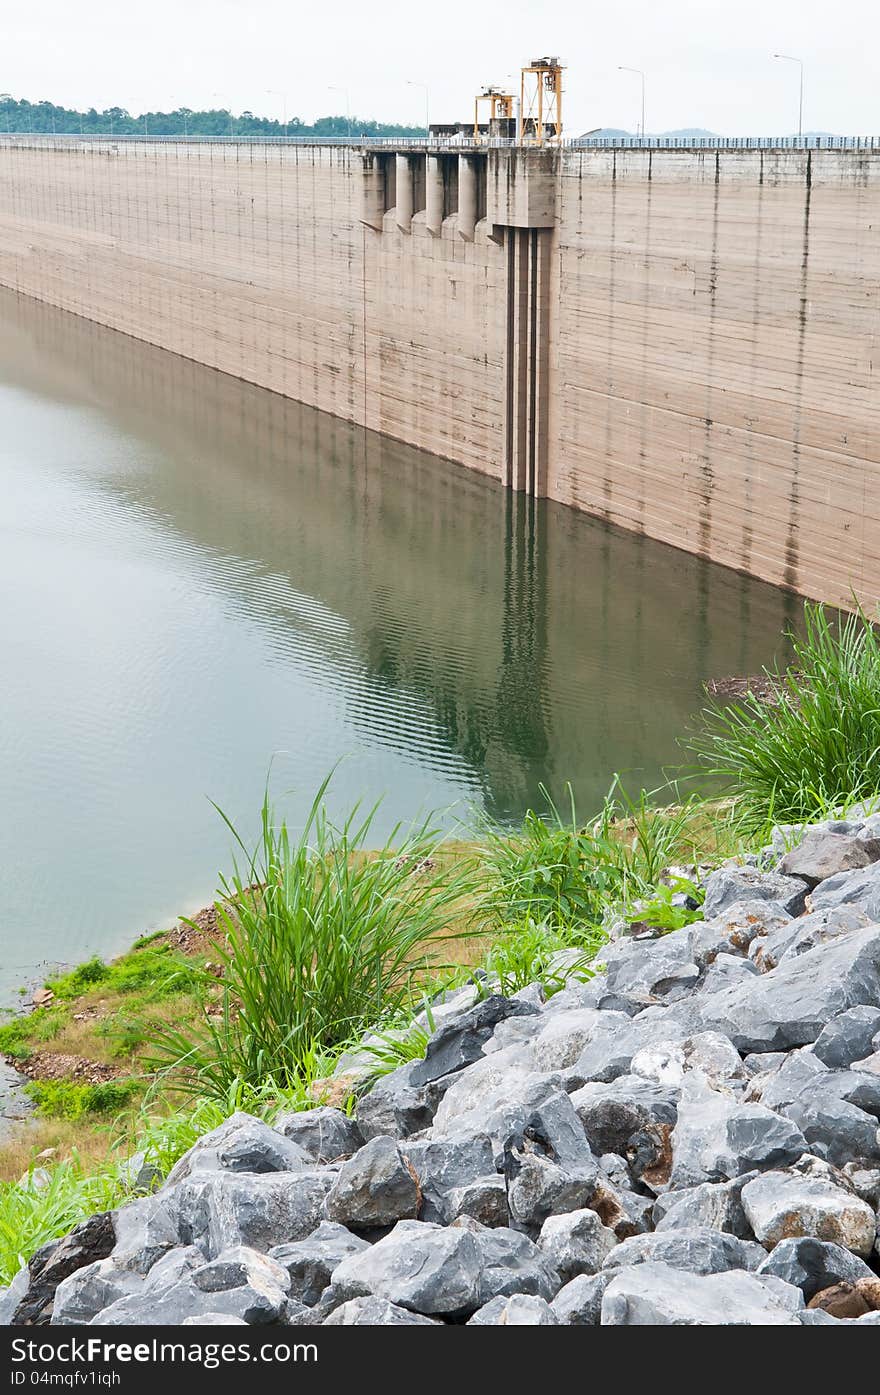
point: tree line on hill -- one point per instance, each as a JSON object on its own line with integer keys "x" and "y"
{"x": 21, "y": 116}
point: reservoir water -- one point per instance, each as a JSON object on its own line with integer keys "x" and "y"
{"x": 199, "y": 578}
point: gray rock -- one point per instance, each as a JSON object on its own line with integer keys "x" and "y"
{"x": 786, "y": 1205}
{"x": 860, "y": 888}
{"x": 698, "y": 1250}
{"x": 396, "y": 1107}
{"x": 763, "y": 1062}
{"x": 239, "y": 1266}
{"x": 12, "y": 1297}
{"x": 579, "y": 1303}
{"x": 442, "y": 1165}
{"x": 805, "y": 933}
{"x": 576, "y": 1243}
{"x": 612, "y": 1114}
{"x": 537, "y": 1188}
{"x": 611, "y": 1050}
{"x": 496, "y": 1096}
{"x": 865, "y": 1182}
{"x": 790, "y": 1005}
{"x": 734, "y": 929}
{"x": 374, "y": 1188}
{"x": 655, "y": 1294}
{"x": 817, "y": 1317}
{"x": 812, "y": 1265}
{"x": 460, "y": 1043}
{"x": 172, "y": 1267}
{"x": 261, "y": 1298}
{"x": 91, "y": 1240}
{"x": 509, "y": 1263}
{"x": 310, "y": 1262}
{"x": 146, "y": 1229}
{"x": 426, "y": 1268}
{"x": 731, "y": 884}
{"x": 847, "y": 1037}
{"x": 716, "y": 1205}
{"x": 83, "y": 1294}
{"x": 563, "y": 1036}
{"x": 555, "y": 1127}
{"x": 520, "y": 1310}
{"x": 267, "y": 1210}
{"x": 650, "y": 968}
{"x": 727, "y": 971}
{"x": 835, "y": 1129}
{"x": 716, "y": 1138}
{"x": 484, "y": 1200}
{"x": 240, "y": 1144}
{"x": 825, "y": 853}
{"x": 714, "y": 1056}
{"x": 375, "y": 1312}
{"x": 325, "y": 1134}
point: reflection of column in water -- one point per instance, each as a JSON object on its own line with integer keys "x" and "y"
{"x": 522, "y": 718}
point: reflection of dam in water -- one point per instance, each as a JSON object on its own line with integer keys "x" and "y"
{"x": 200, "y": 573}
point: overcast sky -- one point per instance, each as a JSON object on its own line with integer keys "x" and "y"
{"x": 707, "y": 64}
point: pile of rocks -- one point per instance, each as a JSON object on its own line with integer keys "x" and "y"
{"x": 689, "y": 1138}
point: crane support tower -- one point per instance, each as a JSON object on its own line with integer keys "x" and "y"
{"x": 501, "y": 112}
{"x": 540, "y": 106}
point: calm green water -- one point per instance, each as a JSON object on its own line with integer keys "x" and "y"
{"x": 199, "y": 577}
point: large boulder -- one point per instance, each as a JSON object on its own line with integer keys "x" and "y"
{"x": 786, "y": 1204}
{"x": 579, "y": 1302}
{"x": 459, "y": 1043}
{"x": 265, "y": 1210}
{"x": 715, "y": 1205}
{"x": 427, "y": 1268}
{"x": 240, "y": 1144}
{"x": 324, "y": 1134}
{"x": 813, "y": 1265}
{"x": 805, "y": 933}
{"x": 32, "y": 1297}
{"x": 397, "y": 1107}
{"x": 860, "y": 888}
{"x": 717, "y": 1138}
{"x": 650, "y": 969}
{"x": 239, "y": 1283}
{"x": 509, "y": 1263}
{"x": 824, "y": 853}
{"x": 731, "y": 884}
{"x": 848, "y": 1037}
{"x": 310, "y": 1262}
{"x": 790, "y": 1005}
{"x": 443, "y": 1166}
{"x": 85, "y": 1292}
{"x": 733, "y": 930}
{"x": 697, "y": 1250}
{"x": 375, "y": 1312}
{"x": 655, "y": 1294}
{"x": 376, "y": 1187}
{"x": 576, "y": 1243}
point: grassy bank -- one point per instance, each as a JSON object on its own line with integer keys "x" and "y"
{"x": 317, "y": 939}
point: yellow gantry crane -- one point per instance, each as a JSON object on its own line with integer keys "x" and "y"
{"x": 540, "y": 102}
{"x": 501, "y": 106}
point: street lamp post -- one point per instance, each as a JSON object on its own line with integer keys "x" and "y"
{"x": 272, "y": 92}
{"x": 789, "y": 59}
{"x": 622, "y": 69}
{"x": 426, "y": 90}
{"x": 347, "y": 105}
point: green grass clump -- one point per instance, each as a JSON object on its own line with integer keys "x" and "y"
{"x": 533, "y": 952}
{"x": 67, "y": 1099}
{"x": 321, "y": 942}
{"x": 21, "y": 1035}
{"x": 152, "y": 972}
{"x": 816, "y": 745}
{"x": 557, "y": 874}
{"x": 30, "y": 1218}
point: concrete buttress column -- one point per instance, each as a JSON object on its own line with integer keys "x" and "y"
{"x": 405, "y": 195}
{"x": 467, "y": 196}
{"x": 434, "y": 196}
{"x": 372, "y": 192}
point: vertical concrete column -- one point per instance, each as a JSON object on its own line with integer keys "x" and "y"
{"x": 434, "y": 195}
{"x": 372, "y": 192}
{"x": 404, "y": 210}
{"x": 467, "y": 196}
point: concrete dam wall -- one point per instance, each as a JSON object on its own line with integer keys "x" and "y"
{"x": 682, "y": 342}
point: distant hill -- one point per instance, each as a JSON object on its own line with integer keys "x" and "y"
{"x": 47, "y": 118}
{"x": 615, "y": 133}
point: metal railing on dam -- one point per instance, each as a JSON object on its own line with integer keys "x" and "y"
{"x": 866, "y": 143}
